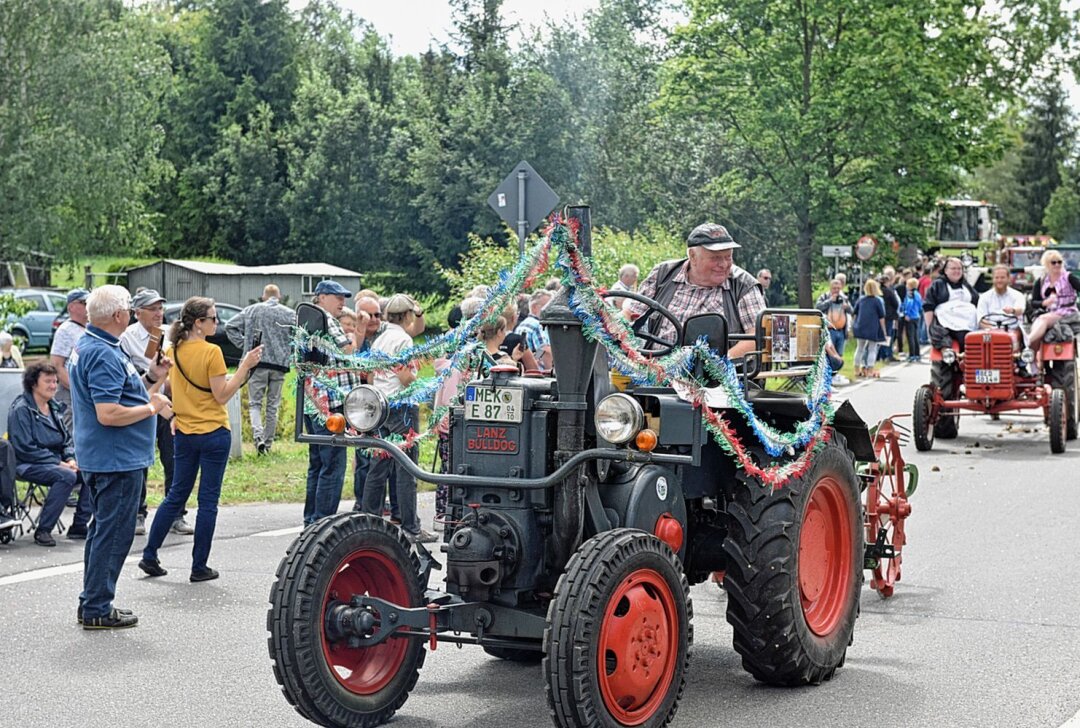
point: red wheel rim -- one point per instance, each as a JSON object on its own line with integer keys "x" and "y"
{"x": 887, "y": 508}
{"x": 638, "y": 648}
{"x": 365, "y": 670}
{"x": 825, "y": 557}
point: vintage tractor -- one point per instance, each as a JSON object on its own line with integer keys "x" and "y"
{"x": 989, "y": 377}
{"x": 578, "y": 518}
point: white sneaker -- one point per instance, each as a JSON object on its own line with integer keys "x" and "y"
{"x": 840, "y": 380}
{"x": 140, "y": 525}
{"x": 182, "y": 527}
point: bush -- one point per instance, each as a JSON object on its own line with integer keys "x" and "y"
{"x": 611, "y": 248}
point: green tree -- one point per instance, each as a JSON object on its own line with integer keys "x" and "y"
{"x": 1062, "y": 218}
{"x": 854, "y": 115}
{"x": 80, "y": 85}
{"x": 1047, "y": 141}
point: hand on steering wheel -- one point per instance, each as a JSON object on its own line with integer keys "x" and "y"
{"x": 1000, "y": 320}
{"x": 665, "y": 346}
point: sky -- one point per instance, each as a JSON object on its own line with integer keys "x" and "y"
{"x": 413, "y": 25}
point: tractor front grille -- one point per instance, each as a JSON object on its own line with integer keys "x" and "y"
{"x": 987, "y": 352}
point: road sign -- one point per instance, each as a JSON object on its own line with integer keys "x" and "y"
{"x": 866, "y": 247}
{"x": 836, "y": 251}
{"x": 523, "y": 200}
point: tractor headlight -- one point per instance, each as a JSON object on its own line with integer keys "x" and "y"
{"x": 618, "y": 418}
{"x": 948, "y": 356}
{"x": 1027, "y": 356}
{"x": 365, "y": 408}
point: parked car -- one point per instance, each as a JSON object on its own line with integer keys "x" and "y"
{"x": 34, "y": 330}
{"x": 225, "y": 311}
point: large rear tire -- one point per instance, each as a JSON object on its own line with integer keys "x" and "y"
{"x": 1059, "y": 412}
{"x": 795, "y": 568}
{"x": 946, "y": 378}
{"x": 330, "y": 681}
{"x": 618, "y": 638}
{"x": 921, "y": 429}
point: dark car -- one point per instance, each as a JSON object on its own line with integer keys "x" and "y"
{"x": 225, "y": 311}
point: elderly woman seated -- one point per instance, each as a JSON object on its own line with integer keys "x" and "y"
{"x": 45, "y": 453}
{"x": 10, "y": 358}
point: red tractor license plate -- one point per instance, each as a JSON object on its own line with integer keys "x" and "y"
{"x": 988, "y": 376}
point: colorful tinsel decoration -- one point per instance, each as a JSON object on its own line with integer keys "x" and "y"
{"x": 603, "y": 324}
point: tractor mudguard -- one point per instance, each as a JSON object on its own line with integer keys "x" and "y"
{"x": 640, "y": 497}
{"x": 793, "y": 407}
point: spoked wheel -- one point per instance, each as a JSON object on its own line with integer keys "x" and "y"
{"x": 1058, "y": 421}
{"x": 330, "y": 678}
{"x": 619, "y": 634}
{"x": 795, "y": 559}
{"x": 922, "y": 413}
{"x": 886, "y": 509}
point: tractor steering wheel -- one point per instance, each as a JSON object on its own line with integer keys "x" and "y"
{"x": 653, "y": 308}
{"x": 1000, "y": 320}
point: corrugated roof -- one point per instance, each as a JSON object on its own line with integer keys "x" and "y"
{"x": 292, "y": 269}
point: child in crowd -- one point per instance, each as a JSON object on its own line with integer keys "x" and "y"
{"x": 910, "y": 314}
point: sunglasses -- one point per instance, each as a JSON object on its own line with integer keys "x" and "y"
{"x": 1056, "y": 262}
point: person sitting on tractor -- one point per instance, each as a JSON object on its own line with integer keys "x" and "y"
{"x": 949, "y": 306}
{"x": 705, "y": 281}
{"x": 1055, "y": 293}
{"x": 1003, "y": 300}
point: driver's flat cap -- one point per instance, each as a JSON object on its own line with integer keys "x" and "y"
{"x": 711, "y": 236}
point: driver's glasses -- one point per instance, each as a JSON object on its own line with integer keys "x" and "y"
{"x": 1056, "y": 262}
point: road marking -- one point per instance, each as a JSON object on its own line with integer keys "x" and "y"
{"x": 76, "y": 568}
{"x": 1073, "y": 722}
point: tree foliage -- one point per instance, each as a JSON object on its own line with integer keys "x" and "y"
{"x": 854, "y": 116}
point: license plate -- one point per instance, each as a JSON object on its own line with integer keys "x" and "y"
{"x": 988, "y": 376}
{"x": 493, "y": 404}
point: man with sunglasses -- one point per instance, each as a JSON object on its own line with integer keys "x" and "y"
{"x": 268, "y": 323}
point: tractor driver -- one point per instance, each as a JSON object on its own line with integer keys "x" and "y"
{"x": 705, "y": 281}
{"x": 1003, "y": 299}
{"x": 949, "y": 306}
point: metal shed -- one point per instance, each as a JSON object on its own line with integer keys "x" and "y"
{"x": 178, "y": 280}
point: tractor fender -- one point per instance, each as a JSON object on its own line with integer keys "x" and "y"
{"x": 641, "y": 496}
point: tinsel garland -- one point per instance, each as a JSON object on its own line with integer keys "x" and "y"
{"x": 601, "y": 323}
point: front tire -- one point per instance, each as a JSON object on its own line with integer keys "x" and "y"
{"x": 330, "y": 681}
{"x": 795, "y": 568}
{"x": 1058, "y": 425}
{"x": 921, "y": 429}
{"x": 618, "y": 638}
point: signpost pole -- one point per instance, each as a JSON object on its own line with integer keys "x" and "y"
{"x": 522, "y": 223}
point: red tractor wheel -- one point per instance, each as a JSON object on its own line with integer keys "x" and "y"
{"x": 1058, "y": 421}
{"x": 618, "y": 636}
{"x": 795, "y": 561}
{"x": 330, "y": 679}
{"x": 886, "y": 509}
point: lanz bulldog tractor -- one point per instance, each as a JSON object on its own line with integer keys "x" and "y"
{"x": 578, "y": 518}
{"x": 988, "y": 377}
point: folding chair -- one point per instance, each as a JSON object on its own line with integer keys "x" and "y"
{"x": 35, "y": 496}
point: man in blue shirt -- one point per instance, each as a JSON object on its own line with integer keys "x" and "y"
{"x": 114, "y": 440}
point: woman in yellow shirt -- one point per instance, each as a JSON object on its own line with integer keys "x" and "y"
{"x": 200, "y": 389}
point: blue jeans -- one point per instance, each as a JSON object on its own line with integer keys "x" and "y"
{"x": 924, "y": 334}
{"x": 838, "y": 338}
{"x": 61, "y": 483}
{"x": 360, "y": 471}
{"x": 397, "y": 422}
{"x": 325, "y": 475}
{"x": 192, "y": 453}
{"x": 114, "y": 502}
{"x": 885, "y": 351}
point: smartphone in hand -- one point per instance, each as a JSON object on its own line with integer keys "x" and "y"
{"x": 256, "y": 339}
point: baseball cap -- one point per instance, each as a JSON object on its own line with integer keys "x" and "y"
{"x": 400, "y": 303}
{"x": 711, "y": 236}
{"x": 333, "y": 288}
{"x": 146, "y": 298}
{"x": 77, "y": 294}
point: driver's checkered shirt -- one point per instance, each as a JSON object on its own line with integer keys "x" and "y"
{"x": 690, "y": 300}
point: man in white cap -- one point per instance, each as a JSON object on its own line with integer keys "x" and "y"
{"x": 705, "y": 281}
{"x": 143, "y": 342}
{"x": 64, "y": 343}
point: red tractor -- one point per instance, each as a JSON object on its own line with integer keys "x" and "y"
{"x": 988, "y": 377}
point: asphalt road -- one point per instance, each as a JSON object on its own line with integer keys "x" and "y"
{"x": 984, "y": 629}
